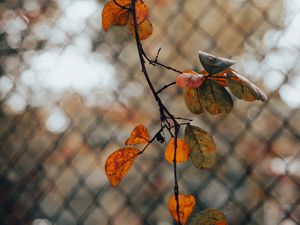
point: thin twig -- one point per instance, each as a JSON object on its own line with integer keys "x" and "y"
{"x": 155, "y": 62}
{"x": 157, "y": 54}
{"x": 121, "y": 6}
{"x": 165, "y": 87}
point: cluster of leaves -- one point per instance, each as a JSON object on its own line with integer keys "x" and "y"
{"x": 119, "y": 162}
{"x": 120, "y": 13}
{"x": 205, "y": 91}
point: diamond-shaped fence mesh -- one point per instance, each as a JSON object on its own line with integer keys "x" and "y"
{"x": 70, "y": 94}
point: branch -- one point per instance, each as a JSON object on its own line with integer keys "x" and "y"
{"x": 165, "y": 87}
{"x": 164, "y": 112}
{"x": 176, "y": 187}
{"x": 155, "y": 62}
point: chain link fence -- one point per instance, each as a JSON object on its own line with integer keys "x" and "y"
{"x": 70, "y": 94}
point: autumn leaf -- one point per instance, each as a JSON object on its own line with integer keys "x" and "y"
{"x": 192, "y": 100}
{"x": 222, "y": 222}
{"x": 242, "y": 88}
{"x": 182, "y": 151}
{"x": 189, "y": 80}
{"x": 121, "y": 18}
{"x": 211, "y": 96}
{"x": 112, "y": 14}
{"x": 186, "y": 206}
{"x": 118, "y": 164}
{"x": 215, "y": 98}
{"x": 213, "y": 64}
{"x": 209, "y": 217}
{"x": 139, "y": 135}
{"x": 202, "y": 147}
{"x": 145, "y": 29}
{"x": 141, "y": 11}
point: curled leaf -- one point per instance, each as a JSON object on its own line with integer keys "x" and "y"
{"x": 209, "y": 217}
{"x": 242, "y": 88}
{"x": 189, "y": 80}
{"x": 112, "y": 14}
{"x": 145, "y": 29}
{"x": 215, "y": 98}
{"x": 182, "y": 151}
{"x": 186, "y": 206}
{"x": 202, "y": 147}
{"x": 139, "y": 135}
{"x": 118, "y": 164}
{"x": 213, "y": 64}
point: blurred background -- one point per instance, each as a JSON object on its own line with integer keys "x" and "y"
{"x": 70, "y": 94}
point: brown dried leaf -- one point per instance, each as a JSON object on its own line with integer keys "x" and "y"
{"x": 242, "y": 88}
{"x": 202, "y": 147}
{"x": 209, "y": 217}
{"x": 192, "y": 100}
{"x": 182, "y": 151}
{"x": 139, "y": 135}
{"x": 215, "y": 98}
{"x": 118, "y": 164}
{"x": 186, "y": 206}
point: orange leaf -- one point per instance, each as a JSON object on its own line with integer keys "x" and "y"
{"x": 139, "y": 135}
{"x": 141, "y": 11}
{"x": 186, "y": 206}
{"x": 121, "y": 18}
{"x": 118, "y": 164}
{"x": 219, "y": 77}
{"x": 222, "y": 222}
{"x": 182, "y": 151}
{"x": 189, "y": 80}
{"x": 145, "y": 29}
{"x": 111, "y": 14}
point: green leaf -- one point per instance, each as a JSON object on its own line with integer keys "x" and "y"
{"x": 213, "y": 64}
{"x": 242, "y": 88}
{"x": 202, "y": 147}
{"x": 192, "y": 100}
{"x": 209, "y": 217}
{"x": 215, "y": 98}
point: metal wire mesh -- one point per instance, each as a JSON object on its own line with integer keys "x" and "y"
{"x": 71, "y": 93}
